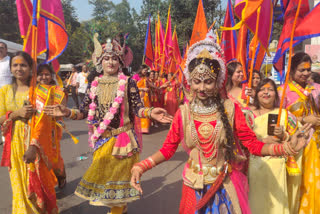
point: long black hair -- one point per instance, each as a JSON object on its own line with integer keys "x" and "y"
{"x": 231, "y": 68}
{"x": 229, "y": 155}
{"x": 256, "y": 102}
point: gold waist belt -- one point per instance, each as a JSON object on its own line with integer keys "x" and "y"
{"x": 210, "y": 173}
{"x": 114, "y": 132}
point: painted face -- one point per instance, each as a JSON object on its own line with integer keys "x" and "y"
{"x": 302, "y": 73}
{"x": 20, "y": 69}
{"x": 110, "y": 64}
{"x": 3, "y": 51}
{"x": 267, "y": 95}
{"x": 255, "y": 80}
{"x": 45, "y": 77}
{"x": 237, "y": 76}
{"x": 203, "y": 87}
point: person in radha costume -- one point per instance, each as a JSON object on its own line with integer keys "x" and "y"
{"x": 45, "y": 79}
{"x": 213, "y": 181}
{"x": 302, "y": 100}
{"x": 28, "y": 154}
{"x": 111, "y": 107}
{"x": 269, "y": 177}
{"x": 234, "y": 86}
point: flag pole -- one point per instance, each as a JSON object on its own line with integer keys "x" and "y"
{"x": 289, "y": 62}
{"x": 254, "y": 51}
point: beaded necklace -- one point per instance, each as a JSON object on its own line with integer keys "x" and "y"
{"x": 113, "y": 109}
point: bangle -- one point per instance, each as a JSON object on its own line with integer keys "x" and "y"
{"x": 144, "y": 165}
{"x": 149, "y": 113}
{"x": 74, "y": 114}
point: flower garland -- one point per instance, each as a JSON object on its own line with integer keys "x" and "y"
{"x": 112, "y": 111}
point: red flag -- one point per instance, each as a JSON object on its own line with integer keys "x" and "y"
{"x": 24, "y": 11}
{"x": 148, "y": 49}
{"x": 283, "y": 45}
{"x": 229, "y": 37}
{"x": 176, "y": 50}
{"x": 200, "y": 28}
{"x": 52, "y": 37}
{"x": 159, "y": 44}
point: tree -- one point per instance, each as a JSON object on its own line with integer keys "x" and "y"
{"x": 9, "y": 24}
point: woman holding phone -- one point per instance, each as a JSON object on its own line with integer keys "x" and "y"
{"x": 268, "y": 177}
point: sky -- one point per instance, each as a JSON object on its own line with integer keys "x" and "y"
{"x": 84, "y": 9}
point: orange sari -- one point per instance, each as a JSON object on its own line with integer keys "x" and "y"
{"x": 45, "y": 136}
{"x": 145, "y": 123}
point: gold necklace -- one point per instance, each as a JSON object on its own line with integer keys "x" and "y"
{"x": 210, "y": 144}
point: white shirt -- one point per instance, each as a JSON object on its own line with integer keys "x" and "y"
{"x": 5, "y": 74}
{"x": 83, "y": 83}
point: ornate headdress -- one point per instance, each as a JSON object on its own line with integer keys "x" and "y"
{"x": 207, "y": 49}
{"x": 111, "y": 47}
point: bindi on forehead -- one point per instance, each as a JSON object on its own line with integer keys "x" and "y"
{"x": 267, "y": 86}
{"x": 18, "y": 61}
{"x": 306, "y": 65}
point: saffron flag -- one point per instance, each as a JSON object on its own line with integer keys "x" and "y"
{"x": 229, "y": 38}
{"x": 248, "y": 11}
{"x": 52, "y": 37}
{"x": 200, "y": 28}
{"x": 148, "y": 49}
{"x": 168, "y": 37}
{"x": 241, "y": 54}
{"x": 304, "y": 31}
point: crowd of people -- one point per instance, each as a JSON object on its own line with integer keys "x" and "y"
{"x": 237, "y": 154}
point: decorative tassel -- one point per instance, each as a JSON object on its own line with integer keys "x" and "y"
{"x": 292, "y": 167}
{"x": 63, "y": 126}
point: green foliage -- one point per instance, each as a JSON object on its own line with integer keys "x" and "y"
{"x": 110, "y": 19}
{"x": 9, "y": 24}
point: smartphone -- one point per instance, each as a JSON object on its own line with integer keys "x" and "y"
{"x": 26, "y": 102}
{"x": 272, "y": 120}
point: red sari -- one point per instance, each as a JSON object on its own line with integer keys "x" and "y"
{"x": 171, "y": 98}
{"x": 154, "y": 94}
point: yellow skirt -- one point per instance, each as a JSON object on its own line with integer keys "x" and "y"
{"x": 107, "y": 181}
{"x": 310, "y": 186}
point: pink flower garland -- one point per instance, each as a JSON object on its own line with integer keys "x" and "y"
{"x": 112, "y": 111}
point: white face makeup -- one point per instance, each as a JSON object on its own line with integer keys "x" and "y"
{"x": 110, "y": 64}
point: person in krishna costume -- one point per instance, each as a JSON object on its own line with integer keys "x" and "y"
{"x": 110, "y": 107}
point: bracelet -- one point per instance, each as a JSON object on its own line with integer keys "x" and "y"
{"x": 74, "y": 114}
{"x": 149, "y": 113}
{"x": 144, "y": 165}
